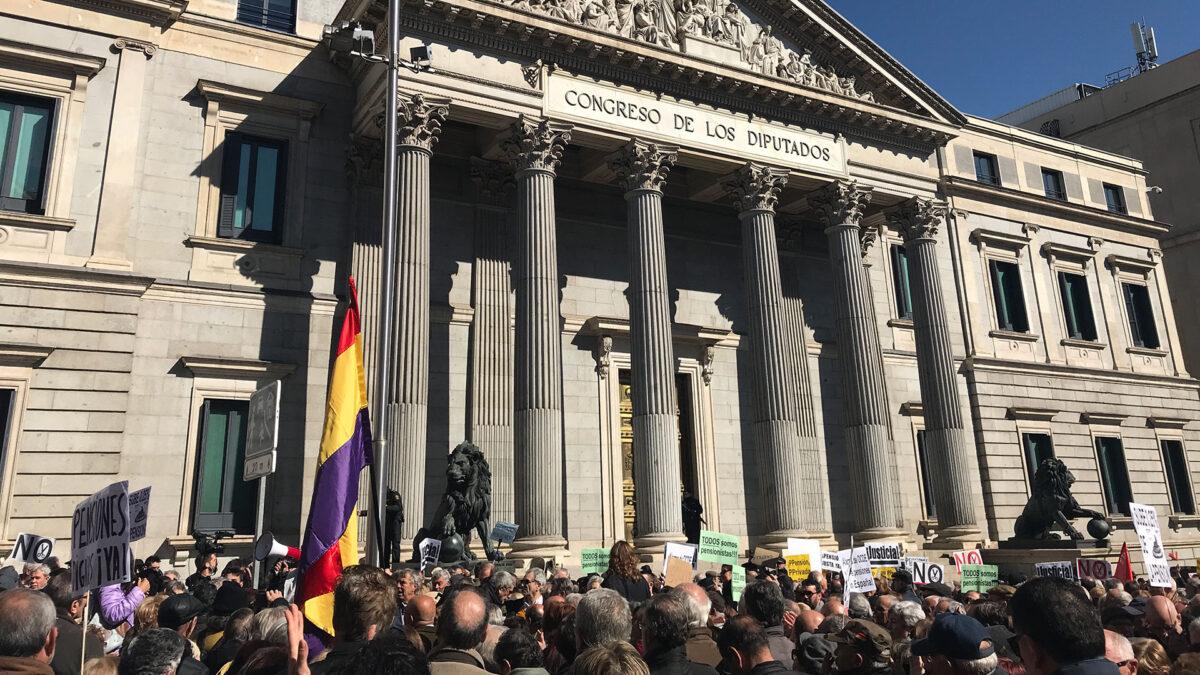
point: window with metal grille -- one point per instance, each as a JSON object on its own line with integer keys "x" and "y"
{"x": 985, "y": 168}
{"x": 1142, "y": 328}
{"x": 253, "y": 183}
{"x": 900, "y": 281}
{"x": 277, "y": 15}
{"x": 1037, "y": 447}
{"x": 1052, "y": 181}
{"x": 1114, "y": 475}
{"x": 1077, "y": 306}
{"x": 1114, "y": 197}
{"x": 1008, "y": 296}
{"x": 26, "y": 136}
{"x": 1178, "y": 483}
{"x": 926, "y": 480}
{"x": 222, "y": 500}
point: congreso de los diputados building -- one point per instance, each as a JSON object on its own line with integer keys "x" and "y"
{"x": 645, "y": 248}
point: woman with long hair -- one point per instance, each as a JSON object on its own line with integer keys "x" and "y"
{"x": 623, "y": 575}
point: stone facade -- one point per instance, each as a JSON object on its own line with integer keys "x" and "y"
{"x": 608, "y": 307}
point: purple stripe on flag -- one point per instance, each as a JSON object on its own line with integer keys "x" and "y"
{"x": 335, "y": 492}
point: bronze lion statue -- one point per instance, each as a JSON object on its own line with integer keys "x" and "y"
{"x": 466, "y": 505}
{"x": 1051, "y": 504}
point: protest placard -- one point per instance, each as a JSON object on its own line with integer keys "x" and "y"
{"x": 830, "y": 560}
{"x": 884, "y": 554}
{"x": 980, "y": 578}
{"x": 926, "y": 572}
{"x": 431, "y": 550}
{"x": 677, "y": 571}
{"x": 718, "y": 548}
{"x": 796, "y": 546}
{"x": 860, "y": 579}
{"x": 139, "y": 513}
{"x": 798, "y": 566}
{"x": 32, "y": 548}
{"x": 684, "y": 552}
{"x": 844, "y": 559}
{"x": 1062, "y": 570}
{"x": 509, "y": 566}
{"x": 763, "y": 555}
{"x": 593, "y": 560}
{"x": 1094, "y": 568}
{"x": 1145, "y": 523}
{"x": 100, "y": 539}
{"x": 971, "y": 557}
{"x": 909, "y": 559}
{"x": 884, "y": 572}
{"x": 738, "y": 583}
{"x": 503, "y": 532}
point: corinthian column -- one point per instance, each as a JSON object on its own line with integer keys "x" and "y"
{"x": 535, "y": 148}
{"x": 873, "y": 489}
{"x": 793, "y": 504}
{"x": 420, "y": 121}
{"x": 945, "y": 438}
{"x": 642, "y": 168}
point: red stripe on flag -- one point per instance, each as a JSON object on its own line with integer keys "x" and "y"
{"x": 350, "y": 325}
{"x": 323, "y": 575}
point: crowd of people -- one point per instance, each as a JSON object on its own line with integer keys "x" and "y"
{"x": 462, "y": 620}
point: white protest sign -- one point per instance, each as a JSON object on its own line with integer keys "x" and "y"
{"x": 431, "y": 550}
{"x": 971, "y": 557}
{"x": 802, "y": 547}
{"x": 926, "y": 572}
{"x": 684, "y": 552}
{"x": 139, "y": 513}
{"x": 1094, "y": 568}
{"x": 883, "y": 554}
{"x": 100, "y": 539}
{"x": 32, "y": 548}
{"x": 831, "y": 561}
{"x": 1145, "y": 522}
{"x": 1062, "y": 570}
{"x": 860, "y": 579}
{"x": 910, "y": 559}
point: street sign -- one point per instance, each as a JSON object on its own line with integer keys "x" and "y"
{"x": 262, "y": 436}
{"x": 258, "y": 467}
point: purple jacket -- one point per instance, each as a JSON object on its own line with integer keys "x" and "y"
{"x": 116, "y": 606}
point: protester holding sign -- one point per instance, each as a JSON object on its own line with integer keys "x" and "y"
{"x": 623, "y": 575}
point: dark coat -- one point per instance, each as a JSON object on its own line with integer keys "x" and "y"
{"x": 675, "y": 662}
{"x": 770, "y": 668}
{"x": 701, "y": 648}
{"x": 66, "y": 651}
{"x": 633, "y": 590}
{"x": 336, "y": 658}
{"x": 780, "y": 644}
{"x": 190, "y": 666}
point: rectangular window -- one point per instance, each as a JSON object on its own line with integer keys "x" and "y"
{"x": 900, "y": 281}
{"x": 222, "y": 500}
{"x": 926, "y": 480}
{"x": 277, "y": 15}
{"x": 1142, "y": 329}
{"x": 1009, "y": 298}
{"x": 1052, "y": 181}
{"x": 985, "y": 169}
{"x": 26, "y": 132}
{"x": 1114, "y": 196}
{"x": 1038, "y": 447}
{"x": 253, "y": 180}
{"x": 1077, "y": 306}
{"x": 1114, "y": 475}
{"x": 1177, "y": 477}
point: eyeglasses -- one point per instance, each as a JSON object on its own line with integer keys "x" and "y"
{"x": 1122, "y": 664}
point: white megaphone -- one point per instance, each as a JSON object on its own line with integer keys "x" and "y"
{"x": 267, "y": 546}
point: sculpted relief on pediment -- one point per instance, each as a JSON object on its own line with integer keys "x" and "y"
{"x": 716, "y": 30}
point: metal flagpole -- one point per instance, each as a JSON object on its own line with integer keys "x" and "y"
{"x": 383, "y": 363}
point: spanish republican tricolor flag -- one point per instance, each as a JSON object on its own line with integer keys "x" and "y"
{"x": 331, "y": 536}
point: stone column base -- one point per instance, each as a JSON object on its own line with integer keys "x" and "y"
{"x": 652, "y": 544}
{"x": 777, "y": 540}
{"x": 538, "y": 546}
{"x": 879, "y": 534}
{"x": 957, "y": 535}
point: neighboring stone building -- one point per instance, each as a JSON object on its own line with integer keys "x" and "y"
{"x": 1152, "y": 117}
{"x": 641, "y": 251}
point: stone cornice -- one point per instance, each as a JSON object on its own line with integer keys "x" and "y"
{"x": 289, "y": 106}
{"x": 154, "y": 12}
{"x": 65, "y": 277}
{"x": 238, "y": 369}
{"x": 1034, "y": 369}
{"x": 1134, "y": 265}
{"x": 21, "y": 355}
{"x": 1031, "y": 414}
{"x": 1166, "y": 422}
{"x": 605, "y": 325}
{"x": 42, "y": 58}
{"x": 1054, "y": 251}
{"x": 957, "y": 185}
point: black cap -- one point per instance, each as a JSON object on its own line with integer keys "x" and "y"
{"x": 230, "y": 598}
{"x": 957, "y": 636}
{"x": 179, "y": 609}
{"x": 1118, "y": 613}
{"x": 864, "y": 636}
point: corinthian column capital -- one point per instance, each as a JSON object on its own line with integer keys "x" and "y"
{"x": 841, "y": 203}
{"x": 641, "y": 165}
{"x": 756, "y": 187}
{"x": 494, "y": 181}
{"x": 419, "y": 120}
{"x": 918, "y": 218}
{"x": 536, "y": 144}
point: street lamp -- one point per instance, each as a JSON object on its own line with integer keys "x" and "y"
{"x": 353, "y": 39}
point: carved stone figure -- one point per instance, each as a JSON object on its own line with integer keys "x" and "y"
{"x": 595, "y": 15}
{"x": 466, "y": 504}
{"x": 1051, "y": 504}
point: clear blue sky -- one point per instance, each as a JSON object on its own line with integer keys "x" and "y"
{"x": 987, "y": 58}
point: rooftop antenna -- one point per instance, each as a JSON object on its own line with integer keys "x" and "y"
{"x": 1144, "y": 45}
